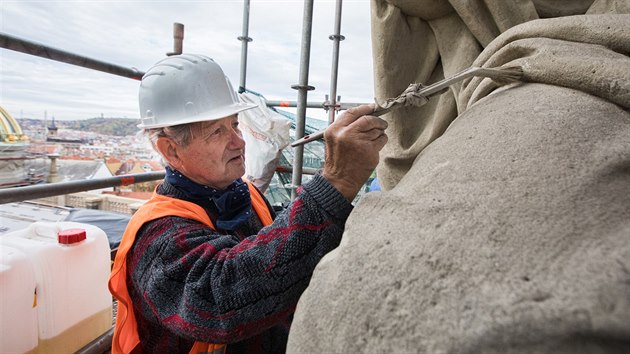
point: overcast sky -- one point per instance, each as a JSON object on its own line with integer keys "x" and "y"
{"x": 139, "y": 33}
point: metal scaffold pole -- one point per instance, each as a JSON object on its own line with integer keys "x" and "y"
{"x": 40, "y": 50}
{"x": 36, "y": 191}
{"x": 178, "y": 39}
{"x": 336, "y": 38}
{"x": 303, "y": 88}
{"x": 340, "y": 106}
{"x": 244, "y": 38}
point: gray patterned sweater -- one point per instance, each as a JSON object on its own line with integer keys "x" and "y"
{"x": 189, "y": 282}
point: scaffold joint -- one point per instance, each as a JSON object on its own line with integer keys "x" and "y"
{"x": 303, "y": 87}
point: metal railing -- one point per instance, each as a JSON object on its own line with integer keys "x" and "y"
{"x": 325, "y": 104}
{"x": 38, "y": 191}
{"x": 18, "y": 194}
{"x": 44, "y": 51}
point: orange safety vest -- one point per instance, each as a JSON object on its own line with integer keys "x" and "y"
{"x": 126, "y": 337}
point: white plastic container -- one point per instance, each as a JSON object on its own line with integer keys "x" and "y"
{"x": 18, "y": 315}
{"x": 74, "y": 305}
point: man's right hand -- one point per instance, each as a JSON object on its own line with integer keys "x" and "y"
{"x": 353, "y": 143}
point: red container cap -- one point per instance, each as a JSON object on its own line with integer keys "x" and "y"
{"x": 70, "y": 236}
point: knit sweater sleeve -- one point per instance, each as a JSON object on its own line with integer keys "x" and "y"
{"x": 206, "y": 286}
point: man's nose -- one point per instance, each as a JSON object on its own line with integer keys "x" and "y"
{"x": 236, "y": 139}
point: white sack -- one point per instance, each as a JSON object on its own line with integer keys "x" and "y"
{"x": 266, "y": 133}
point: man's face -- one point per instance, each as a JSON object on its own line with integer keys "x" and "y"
{"x": 216, "y": 155}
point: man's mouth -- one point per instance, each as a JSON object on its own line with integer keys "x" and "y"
{"x": 237, "y": 158}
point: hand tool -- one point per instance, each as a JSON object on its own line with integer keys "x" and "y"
{"x": 416, "y": 94}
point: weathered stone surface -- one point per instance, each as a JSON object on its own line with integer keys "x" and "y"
{"x": 510, "y": 233}
{"x": 504, "y": 225}
{"x": 427, "y": 40}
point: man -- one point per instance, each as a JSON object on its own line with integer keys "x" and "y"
{"x": 203, "y": 263}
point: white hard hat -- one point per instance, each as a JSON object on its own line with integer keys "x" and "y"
{"x": 186, "y": 88}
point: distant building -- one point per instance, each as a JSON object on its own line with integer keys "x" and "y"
{"x": 97, "y": 149}
{"x": 52, "y": 128}
{"x": 76, "y": 170}
{"x": 13, "y": 142}
{"x": 15, "y": 160}
{"x": 132, "y": 166}
{"x": 67, "y": 146}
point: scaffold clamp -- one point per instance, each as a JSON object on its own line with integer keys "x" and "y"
{"x": 303, "y": 87}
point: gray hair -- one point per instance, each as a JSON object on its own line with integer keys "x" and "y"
{"x": 182, "y": 135}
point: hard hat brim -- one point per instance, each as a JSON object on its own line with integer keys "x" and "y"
{"x": 224, "y": 112}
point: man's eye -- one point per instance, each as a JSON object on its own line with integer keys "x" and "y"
{"x": 213, "y": 133}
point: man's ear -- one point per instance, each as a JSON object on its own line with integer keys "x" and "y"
{"x": 168, "y": 149}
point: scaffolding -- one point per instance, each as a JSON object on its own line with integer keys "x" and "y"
{"x": 297, "y": 169}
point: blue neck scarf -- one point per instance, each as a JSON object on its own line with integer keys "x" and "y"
{"x": 234, "y": 203}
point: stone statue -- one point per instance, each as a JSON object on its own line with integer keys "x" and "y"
{"x": 504, "y": 221}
